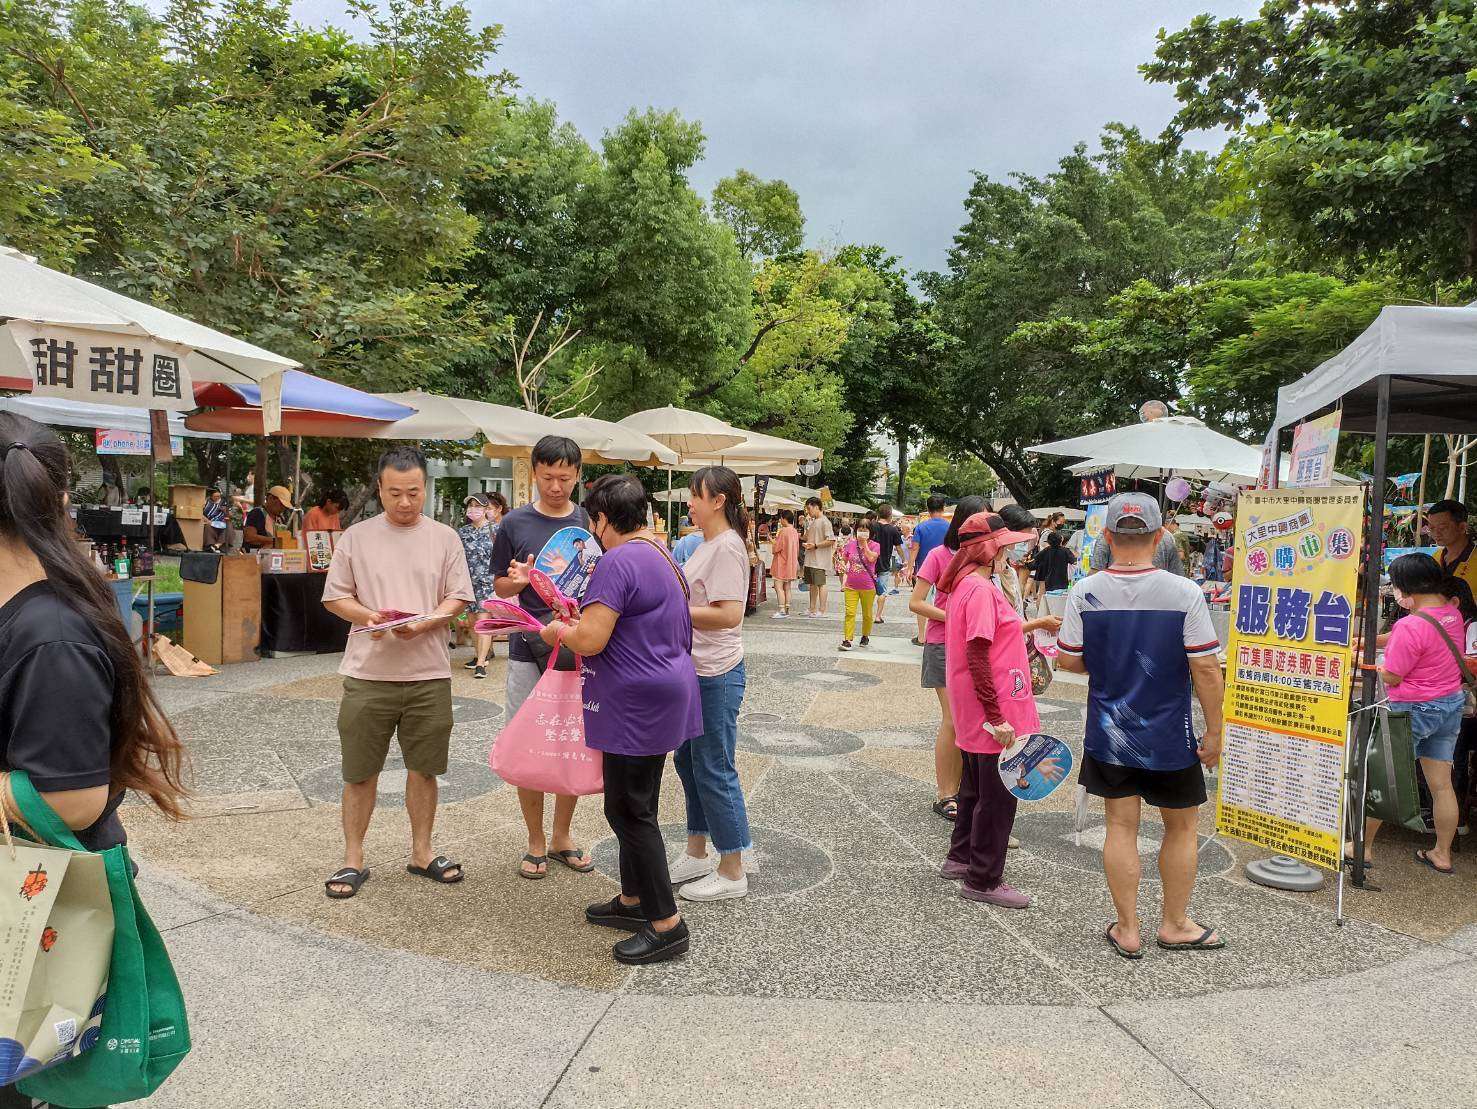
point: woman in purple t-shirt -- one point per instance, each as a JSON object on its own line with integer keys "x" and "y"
{"x": 634, "y": 633}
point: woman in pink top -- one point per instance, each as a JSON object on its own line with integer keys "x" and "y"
{"x": 783, "y": 567}
{"x": 858, "y": 567}
{"x": 1423, "y": 681}
{"x": 989, "y": 684}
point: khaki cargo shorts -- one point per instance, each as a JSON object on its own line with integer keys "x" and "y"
{"x": 418, "y": 714}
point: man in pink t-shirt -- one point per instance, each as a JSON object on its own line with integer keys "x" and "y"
{"x": 397, "y": 683}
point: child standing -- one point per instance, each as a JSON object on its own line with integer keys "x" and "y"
{"x": 859, "y": 579}
{"x": 989, "y": 686}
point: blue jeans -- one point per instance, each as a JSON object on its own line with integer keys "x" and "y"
{"x": 715, "y": 801}
{"x": 1434, "y": 725}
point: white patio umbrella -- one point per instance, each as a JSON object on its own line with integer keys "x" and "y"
{"x": 604, "y": 441}
{"x": 686, "y": 432}
{"x": 1171, "y": 444}
{"x": 756, "y": 449}
{"x": 36, "y": 300}
{"x": 508, "y": 431}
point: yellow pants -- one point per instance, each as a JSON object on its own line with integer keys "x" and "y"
{"x": 868, "y": 598}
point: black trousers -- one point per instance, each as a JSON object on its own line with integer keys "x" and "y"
{"x": 633, "y": 785}
{"x": 983, "y": 822}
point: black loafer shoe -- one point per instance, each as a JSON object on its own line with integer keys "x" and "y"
{"x": 651, "y": 946}
{"x": 612, "y": 914}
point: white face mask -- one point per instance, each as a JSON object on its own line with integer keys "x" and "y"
{"x": 1403, "y": 601}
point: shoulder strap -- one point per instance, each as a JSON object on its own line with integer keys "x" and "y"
{"x": 1461, "y": 662}
{"x": 681, "y": 577}
{"x": 39, "y": 816}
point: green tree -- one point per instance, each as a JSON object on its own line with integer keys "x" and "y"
{"x": 764, "y": 216}
{"x": 1062, "y": 246}
{"x": 1353, "y": 123}
{"x": 935, "y": 471}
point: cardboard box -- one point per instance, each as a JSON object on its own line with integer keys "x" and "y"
{"x": 223, "y": 618}
{"x": 194, "y": 533}
{"x": 188, "y": 501}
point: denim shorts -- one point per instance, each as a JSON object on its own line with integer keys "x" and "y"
{"x": 1434, "y": 725}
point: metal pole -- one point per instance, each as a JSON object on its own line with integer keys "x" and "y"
{"x": 1462, "y": 481}
{"x": 669, "y": 505}
{"x": 149, "y": 585}
{"x": 1373, "y": 551}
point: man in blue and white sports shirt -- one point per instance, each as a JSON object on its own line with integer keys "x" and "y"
{"x": 1143, "y": 637}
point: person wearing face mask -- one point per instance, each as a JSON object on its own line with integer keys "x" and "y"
{"x": 476, "y": 536}
{"x": 1423, "y": 681}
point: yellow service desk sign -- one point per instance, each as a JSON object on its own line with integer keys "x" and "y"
{"x": 1290, "y": 669}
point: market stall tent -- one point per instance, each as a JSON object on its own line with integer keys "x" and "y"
{"x": 109, "y": 417}
{"x": 33, "y": 296}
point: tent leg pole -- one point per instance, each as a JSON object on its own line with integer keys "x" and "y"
{"x": 259, "y": 493}
{"x": 669, "y": 505}
{"x": 1374, "y": 549}
{"x": 149, "y": 631}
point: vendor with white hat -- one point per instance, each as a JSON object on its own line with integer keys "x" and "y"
{"x": 261, "y": 521}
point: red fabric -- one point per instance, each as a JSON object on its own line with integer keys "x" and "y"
{"x": 977, "y": 656}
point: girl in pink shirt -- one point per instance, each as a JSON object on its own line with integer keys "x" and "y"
{"x": 1423, "y": 681}
{"x": 989, "y": 685}
{"x": 857, "y": 565}
{"x": 783, "y": 568}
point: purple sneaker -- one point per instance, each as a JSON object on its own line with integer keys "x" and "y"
{"x": 952, "y": 871}
{"x": 1004, "y": 895}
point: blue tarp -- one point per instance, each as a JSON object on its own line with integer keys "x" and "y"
{"x": 307, "y": 393}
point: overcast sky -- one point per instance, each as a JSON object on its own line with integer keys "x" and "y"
{"x": 875, "y": 112}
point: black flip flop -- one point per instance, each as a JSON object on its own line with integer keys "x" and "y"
{"x": 536, "y": 875}
{"x": 436, "y": 872}
{"x": 565, "y": 856}
{"x": 348, "y": 876}
{"x": 947, "y": 807}
{"x": 1201, "y": 942}
{"x": 1421, "y": 856}
{"x": 1118, "y": 947}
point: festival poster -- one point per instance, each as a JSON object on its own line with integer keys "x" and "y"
{"x": 1289, "y": 670}
{"x": 1313, "y": 445}
{"x": 1094, "y": 520}
{"x": 569, "y": 558}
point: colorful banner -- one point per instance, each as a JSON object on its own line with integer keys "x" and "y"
{"x": 135, "y": 443}
{"x": 1098, "y": 486}
{"x": 1313, "y": 445}
{"x": 1289, "y": 670}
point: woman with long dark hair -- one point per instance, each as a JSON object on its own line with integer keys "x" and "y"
{"x": 718, "y": 573}
{"x": 76, "y": 712}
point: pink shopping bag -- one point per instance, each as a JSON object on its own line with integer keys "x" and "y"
{"x": 543, "y": 746}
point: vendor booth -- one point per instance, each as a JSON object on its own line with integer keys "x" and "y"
{"x": 1412, "y": 371}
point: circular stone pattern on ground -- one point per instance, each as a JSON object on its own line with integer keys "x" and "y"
{"x": 468, "y": 710}
{"x": 1050, "y": 835}
{"x": 462, "y": 781}
{"x": 784, "y": 863}
{"x": 797, "y": 741}
{"x": 825, "y": 681}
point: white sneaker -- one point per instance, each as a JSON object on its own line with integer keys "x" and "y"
{"x": 780, "y": 616}
{"x": 715, "y": 887}
{"x": 685, "y": 868}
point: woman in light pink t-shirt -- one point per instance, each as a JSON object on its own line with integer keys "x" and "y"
{"x": 718, "y": 573}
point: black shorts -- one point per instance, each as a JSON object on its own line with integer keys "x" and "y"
{"x": 1164, "y": 789}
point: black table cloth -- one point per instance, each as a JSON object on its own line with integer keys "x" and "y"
{"x": 293, "y": 616}
{"x": 105, "y": 525}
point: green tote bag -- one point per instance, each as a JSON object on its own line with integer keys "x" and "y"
{"x": 143, "y": 1034}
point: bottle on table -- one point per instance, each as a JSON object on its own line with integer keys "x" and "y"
{"x": 143, "y": 563}
{"x": 121, "y": 564}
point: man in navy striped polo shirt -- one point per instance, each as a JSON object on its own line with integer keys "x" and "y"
{"x": 1143, "y": 637}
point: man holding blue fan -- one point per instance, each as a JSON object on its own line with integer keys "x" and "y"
{"x": 1143, "y": 637}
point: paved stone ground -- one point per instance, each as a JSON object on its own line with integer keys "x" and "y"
{"x": 852, "y": 975}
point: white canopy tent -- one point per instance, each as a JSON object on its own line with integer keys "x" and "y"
{"x": 33, "y": 296}
{"x": 779, "y": 494}
{"x": 1141, "y": 473}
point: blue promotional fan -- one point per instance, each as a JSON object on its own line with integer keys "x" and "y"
{"x": 1035, "y": 766}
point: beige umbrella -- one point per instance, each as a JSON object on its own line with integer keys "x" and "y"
{"x": 603, "y": 441}
{"x": 509, "y": 431}
{"x": 684, "y": 431}
{"x": 757, "y": 448}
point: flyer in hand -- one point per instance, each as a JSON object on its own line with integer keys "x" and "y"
{"x": 505, "y": 616}
{"x": 1034, "y": 766}
{"x": 562, "y": 604}
{"x": 394, "y": 619}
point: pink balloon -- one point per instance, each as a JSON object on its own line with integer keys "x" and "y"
{"x": 1177, "y": 489}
